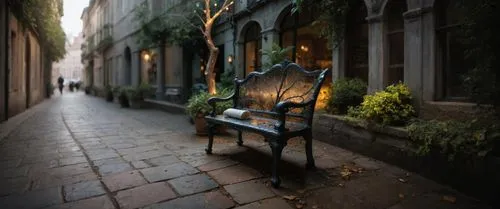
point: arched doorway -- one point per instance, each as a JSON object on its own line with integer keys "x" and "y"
{"x": 396, "y": 40}
{"x": 127, "y": 55}
{"x": 310, "y": 50}
{"x": 252, "y": 47}
{"x": 450, "y": 60}
{"x": 356, "y": 42}
{"x": 27, "y": 70}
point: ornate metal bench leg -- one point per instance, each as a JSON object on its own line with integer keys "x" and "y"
{"x": 309, "y": 153}
{"x": 211, "y": 131}
{"x": 240, "y": 138}
{"x": 277, "y": 149}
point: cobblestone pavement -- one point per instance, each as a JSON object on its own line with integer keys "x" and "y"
{"x": 78, "y": 151}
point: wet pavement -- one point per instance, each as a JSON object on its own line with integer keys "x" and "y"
{"x": 78, "y": 151}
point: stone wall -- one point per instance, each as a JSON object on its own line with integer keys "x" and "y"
{"x": 26, "y": 82}
{"x": 3, "y": 59}
{"x": 391, "y": 144}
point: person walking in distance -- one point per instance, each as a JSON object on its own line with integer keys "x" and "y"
{"x": 60, "y": 81}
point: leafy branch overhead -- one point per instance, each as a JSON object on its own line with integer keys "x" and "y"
{"x": 43, "y": 16}
{"x": 175, "y": 25}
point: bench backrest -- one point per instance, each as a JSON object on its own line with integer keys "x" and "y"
{"x": 260, "y": 92}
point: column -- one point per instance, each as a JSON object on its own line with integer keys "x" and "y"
{"x": 377, "y": 59}
{"x": 160, "y": 73}
{"x": 338, "y": 61}
{"x": 269, "y": 37}
{"x": 136, "y": 68}
{"x": 239, "y": 60}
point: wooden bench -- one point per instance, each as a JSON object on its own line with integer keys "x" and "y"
{"x": 281, "y": 101}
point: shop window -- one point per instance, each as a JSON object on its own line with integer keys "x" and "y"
{"x": 451, "y": 64}
{"x": 253, "y": 45}
{"x": 395, "y": 38}
{"x": 301, "y": 31}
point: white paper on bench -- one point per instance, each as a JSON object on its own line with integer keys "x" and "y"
{"x": 236, "y": 113}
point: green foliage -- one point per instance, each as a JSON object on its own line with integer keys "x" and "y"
{"x": 146, "y": 90}
{"x": 333, "y": 15}
{"x": 392, "y": 106}
{"x": 479, "y": 37}
{"x": 43, "y": 16}
{"x": 175, "y": 25}
{"x": 466, "y": 138}
{"x": 122, "y": 97}
{"x": 275, "y": 55}
{"x": 227, "y": 79}
{"x": 109, "y": 93}
{"x": 197, "y": 104}
{"x": 345, "y": 93}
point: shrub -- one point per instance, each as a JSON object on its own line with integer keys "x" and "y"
{"x": 197, "y": 104}
{"x": 345, "y": 93}
{"x": 133, "y": 94}
{"x": 122, "y": 97}
{"x": 467, "y": 138}
{"x": 392, "y": 106}
{"x": 146, "y": 90}
{"x": 109, "y": 93}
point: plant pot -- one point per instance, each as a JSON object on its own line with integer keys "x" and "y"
{"x": 136, "y": 104}
{"x": 202, "y": 129}
{"x": 123, "y": 101}
{"x": 87, "y": 91}
{"x": 201, "y": 126}
{"x": 109, "y": 97}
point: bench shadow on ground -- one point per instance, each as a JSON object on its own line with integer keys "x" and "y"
{"x": 256, "y": 154}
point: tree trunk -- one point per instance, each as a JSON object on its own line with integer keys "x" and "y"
{"x": 210, "y": 71}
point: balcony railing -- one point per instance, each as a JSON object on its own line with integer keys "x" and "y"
{"x": 105, "y": 37}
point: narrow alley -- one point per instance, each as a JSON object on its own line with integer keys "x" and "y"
{"x": 77, "y": 151}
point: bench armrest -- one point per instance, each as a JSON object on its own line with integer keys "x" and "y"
{"x": 214, "y": 100}
{"x": 282, "y": 108}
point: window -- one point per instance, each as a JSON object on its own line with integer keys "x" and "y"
{"x": 395, "y": 38}
{"x": 451, "y": 64}
{"x": 253, "y": 45}
{"x": 357, "y": 44}
{"x": 310, "y": 49}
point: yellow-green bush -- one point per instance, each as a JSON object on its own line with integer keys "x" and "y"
{"x": 392, "y": 106}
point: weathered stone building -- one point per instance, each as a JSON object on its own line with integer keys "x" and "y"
{"x": 70, "y": 67}
{"x": 386, "y": 41}
{"x": 22, "y": 83}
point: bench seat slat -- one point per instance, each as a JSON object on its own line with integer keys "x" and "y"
{"x": 257, "y": 124}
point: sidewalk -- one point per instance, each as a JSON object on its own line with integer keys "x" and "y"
{"x": 78, "y": 151}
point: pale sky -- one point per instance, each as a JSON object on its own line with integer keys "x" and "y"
{"x": 71, "y": 22}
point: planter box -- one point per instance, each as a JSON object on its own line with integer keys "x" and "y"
{"x": 476, "y": 177}
{"x": 136, "y": 104}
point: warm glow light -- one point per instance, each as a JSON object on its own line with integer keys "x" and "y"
{"x": 230, "y": 59}
{"x": 147, "y": 57}
{"x": 304, "y": 48}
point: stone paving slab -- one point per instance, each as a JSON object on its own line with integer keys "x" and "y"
{"x": 150, "y": 159}
{"x": 192, "y": 184}
{"x": 101, "y": 202}
{"x": 144, "y": 195}
{"x": 209, "y": 200}
{"x": 249, "y": 191}
{"x": 234, "y": 174}
{"x": 32, "y": 199}
{"x": 123, "y": 180}
{"x": 162, "y": 173}
{"x": 83, "y": 190}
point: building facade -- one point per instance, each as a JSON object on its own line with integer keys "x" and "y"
{"x": 23, "y": 78}
{"x": 386, "y": 41}
{"x": 71, "y": 67}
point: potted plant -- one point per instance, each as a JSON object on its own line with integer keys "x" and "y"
{"x": 109, "y": 94}
{"x": 50, "y": 90}
{"x": 198, "y": 108}
{"x": 135, "y": 97}
{"x": 88, "y": 90}
{"x": 116, "y": 93}
{"x": 122, "y": 98}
